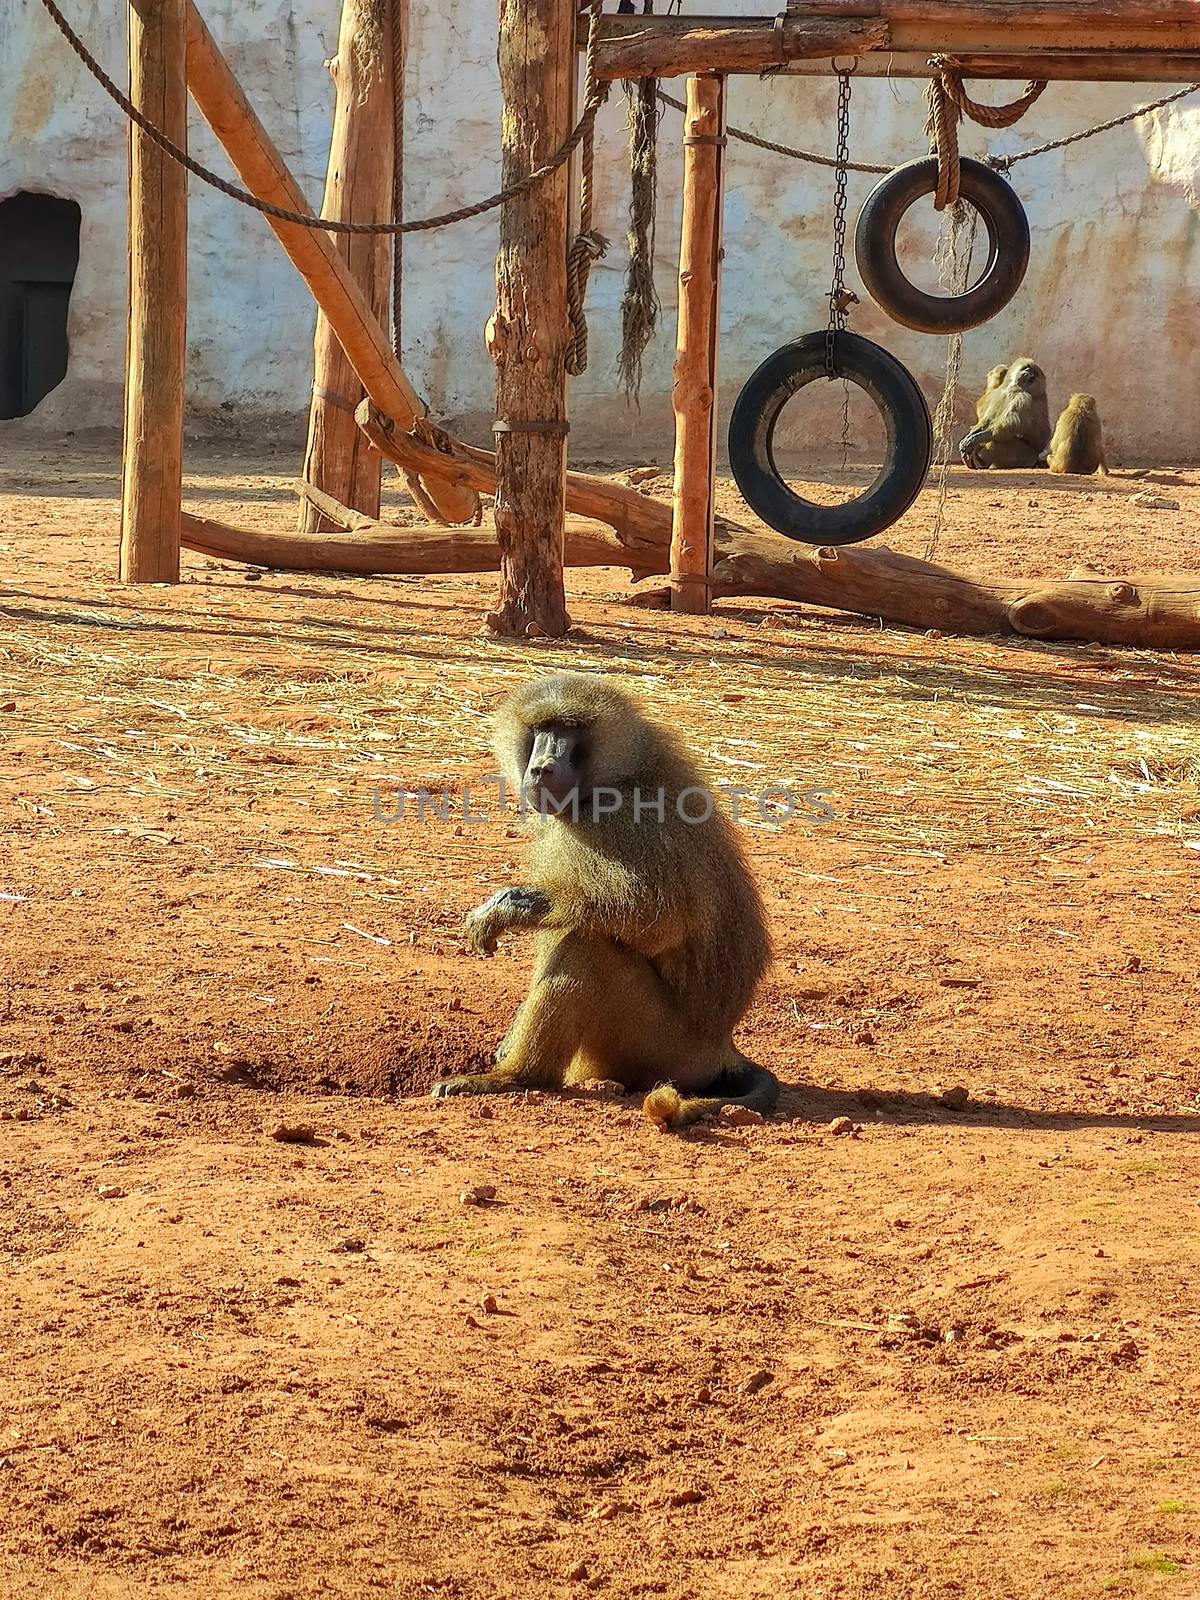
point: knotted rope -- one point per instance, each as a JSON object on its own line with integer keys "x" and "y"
{"x": 588, "y": 246}
{"x": 948, "y": 103}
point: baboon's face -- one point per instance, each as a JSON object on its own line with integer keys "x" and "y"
{"x": 1028, "y": 375}
{"x": 558, "y": 764}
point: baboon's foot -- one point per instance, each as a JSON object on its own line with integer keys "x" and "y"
{"x": 475, "y": 1083}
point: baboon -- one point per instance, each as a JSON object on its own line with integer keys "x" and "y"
{"x": 1014, "y": 428}
{"x": 994, "y": 379}
{"x": 1078, "y": 445}
{"x": 652, "y": 936}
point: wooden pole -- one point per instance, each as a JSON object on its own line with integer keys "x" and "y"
{"x": 529, "y": 333}
{"x": 694, "y": 393}
{"x": 152, "y": 454}
{"x": 264, "y": 173}
{"x": 358, "y": 188}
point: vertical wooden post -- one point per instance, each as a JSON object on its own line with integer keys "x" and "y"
{"x": 358, "y": 188}
{"x": 529, "y": 332}
{"x": 152, "y": 457}
{"x": 694, "y": 393}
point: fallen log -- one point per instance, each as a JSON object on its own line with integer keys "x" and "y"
{"x": 1159, "y": 612}
{"x": 384, "y": 549}
{"x": 1151, "y": 612}
{"x": 643, "y": 525}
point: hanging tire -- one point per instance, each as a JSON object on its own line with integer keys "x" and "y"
{"x": 906, "y": 458}
{"x": 1003, "y": 217}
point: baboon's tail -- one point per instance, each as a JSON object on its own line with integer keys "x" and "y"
{"x": 747, "y": 1085}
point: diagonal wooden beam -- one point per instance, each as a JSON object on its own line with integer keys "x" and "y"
{"x": 263, "y": 171}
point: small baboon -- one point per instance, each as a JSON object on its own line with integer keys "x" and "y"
{"x": 1078, "y": 445}
{"x": 652, "y": 936}
{"x": 994, "y": 379}
{"x": 1014, "y": 428}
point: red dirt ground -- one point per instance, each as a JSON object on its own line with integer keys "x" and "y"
{"x": 952, "y": 1354}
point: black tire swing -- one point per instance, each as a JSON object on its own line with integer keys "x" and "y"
{"x": 906, "y": 456}
{"x": 838, "y": 354}
{"x": 831, "y": 354}
{"x": 1007, "y": 228}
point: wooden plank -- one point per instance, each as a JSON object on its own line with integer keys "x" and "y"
{"x": 669, "y": 47}
{"x": 152, "y": 452}
{"x": 1038, "y": 13}
{"x": 358, "y": 188}
{"x": 1065, "y": 66}
{"x": 665, "y": 46}
{"x": 264, "y": 173}
{"x": 694, "y": 391}
{"x": 529, "y": 332}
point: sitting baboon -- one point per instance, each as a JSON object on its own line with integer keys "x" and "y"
{"x": 652, "y": 934}
{"x": 1014, "y": 428}
{"x": 1077, "y": 445}
{"x": 994, "y": 379}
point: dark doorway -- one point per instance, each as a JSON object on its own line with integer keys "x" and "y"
{"x": 39, "y": 252}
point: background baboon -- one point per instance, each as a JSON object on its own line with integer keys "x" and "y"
{"x": 1014, "y": 428}
{"x": 1078, "y": 445}
{"x": 994, "y": 379}
{"x": 652, "y": 934}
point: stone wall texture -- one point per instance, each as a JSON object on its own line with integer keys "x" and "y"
{"x": 1110, "y": 302}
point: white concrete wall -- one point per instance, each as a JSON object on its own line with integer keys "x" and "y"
{"x": 1110, "y": 302}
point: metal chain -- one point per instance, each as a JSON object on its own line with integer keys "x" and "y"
{"x": 840, "y": 300}
{"x": 305, "y": 219}
{"x": 837, "y": 289}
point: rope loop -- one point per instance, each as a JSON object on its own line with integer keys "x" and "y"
{"x": 948, "y": 103}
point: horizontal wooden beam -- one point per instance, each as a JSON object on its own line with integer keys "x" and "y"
{"x": 1068, "y": 41}
{"x": 1062, "y": 66}
{"x": 1050, "y": 14}
{"x": 671, "y": 47}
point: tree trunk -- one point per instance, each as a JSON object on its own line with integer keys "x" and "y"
{"x": 694, "y": 392}
{"x": 369, "y": 546}
{"x": 529, "y": 333}
{"x": 152, "y": 455}
{"x": 358, "y": 188}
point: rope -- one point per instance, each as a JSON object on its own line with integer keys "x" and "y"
{"x": 949, "y": 102}
{"x": 588, "y": 246}
{"x": 1001, "y": 163}
{"x": 399, "y": 55}
{"x": 641, "y": 307}
{"x": 744, "y": 137}
{"x": 954, "y": 273}
{"x": 305, "y": 219}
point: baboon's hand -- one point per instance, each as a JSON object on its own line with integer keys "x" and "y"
{"x": 482, "y": 928}
{"x": 507, "y": 908}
